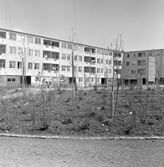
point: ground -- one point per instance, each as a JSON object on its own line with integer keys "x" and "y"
{"x": 23, "y": 152}
{"x": 137, "y": 113}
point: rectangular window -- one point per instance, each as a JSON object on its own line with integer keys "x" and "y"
{"x": 80, "y": 79}
{"x": 55, "y": 55}
{"x": 2, "y": 49}
{"x": 30, "y": 52}
{"x": 64, "y": 45}
{"x": 29, "y": 65}
{"x": 12, "y": 36}
{"x": 2, "y": 63}
{"x": 63, "y": 56}
{"x": 101, "y": 70}
{"x": 128, "y": 55}
{"x": 141, "y": 62}
{"x": 68, "y": 56}
{"x": 98, "y": 60}
{"x": 98, "y": 51}
{"x": 36, "y": 66}
{"x": 19, "y": 65}
{"x": 46, "y": 54}
{"x": 63, "y": 68}
{"x": 21, "y": 38}
{"x": 110, "y": 71}
{"x": 98, "y": 70}
{"x": 68, "y": 68}
{"x": 127, "y": 63}
{"x": 75, "y": 57}
{"x": 80, "y": 58}
{"x": 101, "y": 61}
{"x": 3, "y": 35}
{"x": 46, "y": 66}
{"x": 12, "y": 50}
{"x": 11, "y": 64}
{"x": 37, "y": 53}
{"x": 29, "y": 39}
{"x": 106, "y": 61}
{"x": 11, "y": 79}
{"x": 69, "y": 46}
{"x": 110, "y": 62}
{"x": 37, "y": 40}
{"x": 79, "y": 69}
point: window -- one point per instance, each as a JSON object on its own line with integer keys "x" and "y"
{"x": 141, "y": 71}
{"x": 11, "y": 79}
{"x": 106, "y": 61}
{"x": 79, "y": 69}
{"x": 12, "y": 50}
{"x": 19, "y": 65}
{"x": 133, "y": 63}
{"x": 2, "y": 49}
{"x": 55, "y": 55}
{"x": 55, "y": 44}
{"x": 141, "y": 54}
{"x": 2, "y": 63}
{"x": 97, "y": 79}
{"x": 80, "y": 79}
{"x": 101, "y": 70}
{"x": 2, "y": 34}
{"x": 29, "y": 65}
{"x": 63, "y": 56}
{"x": 11, "y": 64}
{"x": 64, "y": 45}
{"x": 47, "y": 42}
{"x": 12, "y": 36}
{"x": 127, "y": 63}
{"x": 46, "y": 54}
{"x": 63, "y": 68}
{"x": 98, "y": 70}
{"x": 141, "y": 62}
{"x": 98, "y": 51}
{"x": 46, "y": 66}
{"x": 110, "y": 62}
{"x": 69, "y": 46}
{"x": 29, "y": 39}
{"x": 30, "y": 52}
{"x": 128, "y": 55}
{"x": 68, "y": 56}
{"x": 68, "y": 68}
{"x": 98, "y": 60}
{"x": 80, "y": 58}
{"x": 37, "y": 41}
{"x": 75, "y": 57}
{"x": 37, "y": 53}
{"x": 101, "y": 61}
{"x": 21, "y": 38}
{"x": 110, "y": 71}
{"x": 36, "y": 66}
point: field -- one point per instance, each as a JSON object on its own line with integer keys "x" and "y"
{"x": 136, "y": 113}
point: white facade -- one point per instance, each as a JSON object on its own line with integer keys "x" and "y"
{"x": 52, "y": 58}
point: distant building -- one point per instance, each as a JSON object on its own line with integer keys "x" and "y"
{"x": 143, "y": 67}
{"x": 50, "y": 59}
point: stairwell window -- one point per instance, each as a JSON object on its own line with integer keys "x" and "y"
{"x": 11, "y": 64}
{"x": 37, "y": 41}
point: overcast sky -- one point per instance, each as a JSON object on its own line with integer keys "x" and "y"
{"x": 95, "y": 22}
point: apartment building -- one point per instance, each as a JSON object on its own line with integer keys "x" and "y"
{"x": 143, "y": 67}
{"x": 52, "y": 60}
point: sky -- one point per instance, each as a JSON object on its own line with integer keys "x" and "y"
{"x": 95, "y": 22}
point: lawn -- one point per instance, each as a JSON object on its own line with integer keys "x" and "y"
{"x": 136, "y": 113}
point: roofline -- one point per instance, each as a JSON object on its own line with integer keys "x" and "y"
{"x": 20, "y": 32}
{"x": 144, "y": 50}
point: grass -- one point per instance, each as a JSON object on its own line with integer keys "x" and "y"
{"x": 136, "y": 113}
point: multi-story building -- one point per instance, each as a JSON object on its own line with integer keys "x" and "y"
{"x": 51, "y": 58}
{"x": 143, "y": 67}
